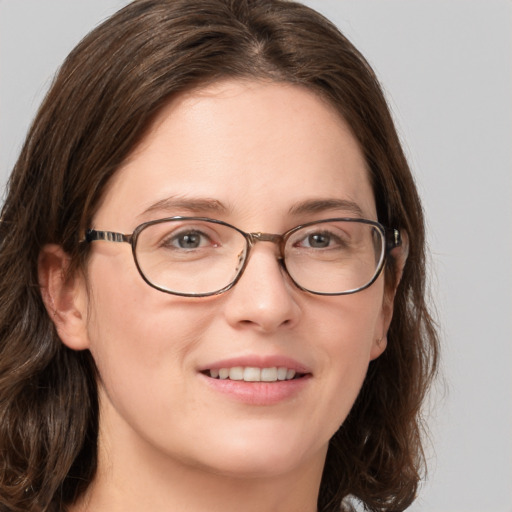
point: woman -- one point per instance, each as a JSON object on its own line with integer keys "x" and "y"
{"x": 265, "y": 343}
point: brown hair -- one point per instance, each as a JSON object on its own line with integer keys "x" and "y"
{"x": 101, "y": 102}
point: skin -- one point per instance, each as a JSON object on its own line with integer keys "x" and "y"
{"x": 167, "y": 440}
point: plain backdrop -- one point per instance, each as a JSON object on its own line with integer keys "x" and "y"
{"x": 446, "y": 66}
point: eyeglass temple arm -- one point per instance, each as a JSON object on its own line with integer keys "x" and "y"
{"x": 109, "y": 236}
{"x": 393, "y": 239}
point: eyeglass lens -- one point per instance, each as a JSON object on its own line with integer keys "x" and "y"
{"x": 196, "y": 257}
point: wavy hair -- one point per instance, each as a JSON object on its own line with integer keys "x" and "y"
{"x": 99, "y": 107}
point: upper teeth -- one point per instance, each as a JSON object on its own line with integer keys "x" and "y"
{"x": 253, "y": 374}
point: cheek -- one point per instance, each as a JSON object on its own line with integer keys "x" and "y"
{"x": 351, "y": 323}
{"x": 138, "y": 336}
{"x": 346, "y": 333}
{"x": 142, "y": 349}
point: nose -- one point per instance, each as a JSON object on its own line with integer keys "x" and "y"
{"x": 264, "y": 298}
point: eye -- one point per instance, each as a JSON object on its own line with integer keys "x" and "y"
{"x": 191, "y": 239}
{"x": 319, "y": 240}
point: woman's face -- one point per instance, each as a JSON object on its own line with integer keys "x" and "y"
{"x": 263, "y": 157}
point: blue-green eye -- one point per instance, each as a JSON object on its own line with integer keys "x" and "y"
{"x": 188, "y": 239}
{"x": 319, "y": 240}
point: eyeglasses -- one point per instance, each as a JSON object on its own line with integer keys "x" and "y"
{"x": 198, "y": 256}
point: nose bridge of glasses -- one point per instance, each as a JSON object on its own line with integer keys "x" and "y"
{"x": 253, "y": 238}
{"x": 266, "y": 237}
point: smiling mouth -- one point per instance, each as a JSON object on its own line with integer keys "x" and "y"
{"x": 254, "y": 374}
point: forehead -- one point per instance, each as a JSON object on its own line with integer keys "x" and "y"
{"x": 248, "y": 145}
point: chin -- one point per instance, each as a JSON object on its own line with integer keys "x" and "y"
{"x": 263, "y": 456}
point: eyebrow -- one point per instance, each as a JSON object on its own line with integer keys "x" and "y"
{"x": 210, "y": 205}
{"x": 192, "y": 205}
{"x": 321, "y": 205}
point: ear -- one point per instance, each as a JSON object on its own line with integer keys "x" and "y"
{"x": 398, "y": 257}
{"x": 64, "y": 296}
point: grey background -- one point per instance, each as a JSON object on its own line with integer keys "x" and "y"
{"x": 446, "y": 66}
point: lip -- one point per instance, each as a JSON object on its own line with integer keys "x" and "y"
{"x": 257, "y": 393}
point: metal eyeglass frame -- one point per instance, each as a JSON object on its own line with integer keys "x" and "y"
{"x": 391, "y": 236}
